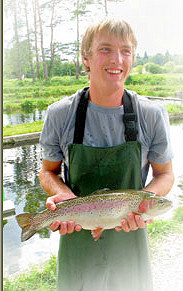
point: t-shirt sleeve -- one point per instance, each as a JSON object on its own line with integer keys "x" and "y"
{"x": 160, "y": 150}
{"x": 50, "y": 138}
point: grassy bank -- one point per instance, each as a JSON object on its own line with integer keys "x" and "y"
{"x": 39, "y": 278}
{"x": 43, "y": 277}
{"x": 36, "y": 126}
{"x": 26, "y": 95}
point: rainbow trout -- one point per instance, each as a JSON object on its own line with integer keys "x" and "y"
{"x": 101, "y": 210}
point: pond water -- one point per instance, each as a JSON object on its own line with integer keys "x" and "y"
{"x": 21, "y": 167}
{"x": 18, "y": 118}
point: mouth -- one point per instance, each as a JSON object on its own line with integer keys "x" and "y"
{"x": 114, "y": 71}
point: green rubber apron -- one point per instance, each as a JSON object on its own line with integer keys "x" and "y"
{"x": 117, "y": 261}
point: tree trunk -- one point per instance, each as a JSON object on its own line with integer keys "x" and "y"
{"x": 52, "y": 50}
{"x": 77, "y": 43}
{"x": 42, "y": 47}
{"x": 29, "y": 43}
{"x": 105, "y": 4}
{"x": 18, "y": 72}
{"x": 35, "y": 32}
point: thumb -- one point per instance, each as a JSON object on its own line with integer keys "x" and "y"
{"x": 50, "y": 204}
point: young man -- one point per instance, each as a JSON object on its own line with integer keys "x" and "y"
{"x": 103, "y": 149}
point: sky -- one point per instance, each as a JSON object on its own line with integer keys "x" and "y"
{"x": 158, "y": 24}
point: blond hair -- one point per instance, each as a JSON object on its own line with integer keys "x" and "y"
{"x": 118, "y": 28}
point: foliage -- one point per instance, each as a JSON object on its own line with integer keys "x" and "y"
{"x": 41, "y": 278}
{"x": 161, "y": 228}
{"x": 154, "y": 68}
{"x": 172, "y": 108}
{"x": 11, "y": 68}
{"x": 178, "y": 215}
{"x": 28, "y": 105}
{"x": 24, "y": 94}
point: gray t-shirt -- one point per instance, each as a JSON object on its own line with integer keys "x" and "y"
{"x": 104, "y": 127}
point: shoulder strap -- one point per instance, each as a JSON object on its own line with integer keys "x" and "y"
{"x": 129, "y": 118}
{"x": 81, "y": 117}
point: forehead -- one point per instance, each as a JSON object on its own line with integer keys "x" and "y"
{"x": 104, "y": 38}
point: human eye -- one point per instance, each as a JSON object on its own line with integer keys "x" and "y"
{"x": 127, "y": 51}
{"x": 105, "y": 49}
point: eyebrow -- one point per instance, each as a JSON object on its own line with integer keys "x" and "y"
{"x": 108, "y": 44}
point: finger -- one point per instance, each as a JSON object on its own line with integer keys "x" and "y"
{"x": 125, "y": 225}
{"x": 118, "y": 228}
{"x": 50, "y": 204}
{"x": 55, "y": 225}
{"x": 78, "y": 227}
{"x": 131, "y": 221}
{"x": 63, "y": 228}
{"x": 70, "y": 227}
{"x": 140, "y": 222}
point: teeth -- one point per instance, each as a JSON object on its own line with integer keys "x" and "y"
{"x": 114, "y": 71}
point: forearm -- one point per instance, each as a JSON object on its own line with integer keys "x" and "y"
{"x": 162, "y": 181}
{"x": 54, "y": 185}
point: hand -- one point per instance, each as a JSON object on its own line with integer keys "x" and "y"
{"x": 65, "y": 227}
{"x": 133, "y": 222}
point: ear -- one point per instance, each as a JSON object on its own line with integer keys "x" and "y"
{"x": 86, "y": 62}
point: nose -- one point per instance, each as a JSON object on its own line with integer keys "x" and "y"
{"x": 117, "y": 57}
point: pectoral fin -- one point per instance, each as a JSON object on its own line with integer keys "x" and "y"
{"x": 96, "y": 233}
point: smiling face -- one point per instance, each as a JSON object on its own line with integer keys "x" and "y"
{"x": 109, "y": 63}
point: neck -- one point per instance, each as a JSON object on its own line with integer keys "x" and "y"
{"x": 106, "y": 99}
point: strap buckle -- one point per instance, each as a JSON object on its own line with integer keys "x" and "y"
{"x": 130, "y": 122}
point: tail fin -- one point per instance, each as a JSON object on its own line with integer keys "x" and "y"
{"x": 24, "y": 220}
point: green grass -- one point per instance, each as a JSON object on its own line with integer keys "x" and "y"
{"x": 174, "y": 108}
{"x": 161, "y": 228}
{"x": 41, "y": 278}
{"x": 35, "y": 126}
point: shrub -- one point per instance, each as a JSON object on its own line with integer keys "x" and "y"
{"x": 154, "y": 68}
{"x": 28, "y": 105}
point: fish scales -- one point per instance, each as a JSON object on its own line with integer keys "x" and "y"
{"x": 102, "y": 209}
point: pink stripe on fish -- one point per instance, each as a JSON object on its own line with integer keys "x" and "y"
{"x": 93, "y": 206}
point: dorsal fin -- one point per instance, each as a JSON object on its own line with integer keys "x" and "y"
{"x": 101, "y": 191}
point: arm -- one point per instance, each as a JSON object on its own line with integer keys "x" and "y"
{"x": 160, "y": 184}
{"x": 53, "y": 184}
{"x": 163, "y": 179}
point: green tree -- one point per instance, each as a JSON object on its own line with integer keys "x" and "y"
{"x": 104, "y": 3}
{"x": 42, "y": 45}
{"x": 169, "y": 67}
{"x": 13, "y": 66}
{"x": 29, "y": 41}
{"x": 154, "y": 68}
{"x": 145, "y": 58}
{"x": 79, "y": 11}
{"x": 36, "y": 39}
{"x": 158, "y": 59}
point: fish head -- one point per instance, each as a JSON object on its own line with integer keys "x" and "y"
{"x": 154, "y": 206}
